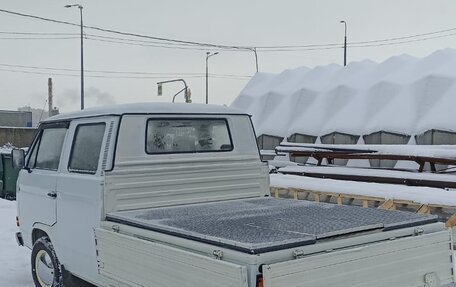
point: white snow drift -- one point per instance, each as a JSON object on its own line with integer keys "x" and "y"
{"x": 404, "y": 95}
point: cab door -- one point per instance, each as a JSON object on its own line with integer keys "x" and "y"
{"x": 37, "y": 181}
{"x": 80, "y": 189}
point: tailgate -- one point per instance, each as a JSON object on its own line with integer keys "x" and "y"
{"x": 406, "y": 262}
{"x": 128, "y": 261}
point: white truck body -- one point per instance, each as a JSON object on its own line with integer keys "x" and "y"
{"x": 134, "y": 168}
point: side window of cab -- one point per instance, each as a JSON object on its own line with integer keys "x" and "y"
{"x": 47, "y": 148}
{"x": 86, "y": 148}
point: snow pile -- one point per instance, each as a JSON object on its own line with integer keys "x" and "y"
{"x": 404, "y": 95}
{"x": 15, "y": 267}
{"x": 6, "y": 148}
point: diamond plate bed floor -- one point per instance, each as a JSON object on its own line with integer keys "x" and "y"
{"x": 266, "y": 224}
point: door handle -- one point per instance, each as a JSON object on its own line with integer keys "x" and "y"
{"x": 52, "y": 194}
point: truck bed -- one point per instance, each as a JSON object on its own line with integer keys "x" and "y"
{"x": 262, "y": 225}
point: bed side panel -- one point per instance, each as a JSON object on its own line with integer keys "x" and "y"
{"x": 395, "y": 263}
{"x": 128, "y": 261}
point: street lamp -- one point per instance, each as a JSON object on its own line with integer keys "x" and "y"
{"x": 345, "y": 43}
{"x": 208, "y": 55}
{"x": 82, "y": 53}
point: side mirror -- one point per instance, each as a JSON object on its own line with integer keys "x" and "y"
{"x": 18, "y": 158}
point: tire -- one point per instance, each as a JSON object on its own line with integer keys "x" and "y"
{"x": 46, "y": 268}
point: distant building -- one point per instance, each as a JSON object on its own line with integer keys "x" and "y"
{"x": 16, "y": 118}
{"x": 37, "y": 114}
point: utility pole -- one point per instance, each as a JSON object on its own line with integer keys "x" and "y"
{"x": 82, "y": 52}
{"x": 345, "y": 43}
{"x": 50, "y": 104}
{"x": 82, "y": 60}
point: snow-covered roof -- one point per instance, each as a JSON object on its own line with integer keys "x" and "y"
{"x": 403, "y": 95}
{"x": 147, "y": 108}
{"x": 5, "y": 150}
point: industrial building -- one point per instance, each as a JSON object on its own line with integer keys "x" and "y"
{"x": 15, "y": 118}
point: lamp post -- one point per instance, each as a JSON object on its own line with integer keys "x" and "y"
{"x": 345, "y": 43}
{"x": 208, "y": 55}
{"x": 82, "y": 53}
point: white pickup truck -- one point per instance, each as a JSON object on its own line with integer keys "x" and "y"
{"x": 176, "y": 195}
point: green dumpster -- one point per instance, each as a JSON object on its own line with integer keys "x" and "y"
{"x": 8, "y": 176}
{"x": 1, "y": 176}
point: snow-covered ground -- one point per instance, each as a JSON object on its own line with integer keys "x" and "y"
{"x": 14, "y": 260}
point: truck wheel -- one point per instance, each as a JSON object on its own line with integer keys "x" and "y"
{"x": 46, "y": 268}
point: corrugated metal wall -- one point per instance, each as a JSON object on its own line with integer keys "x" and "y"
{"x": 383, "y": 137}
{"x": 301, "y": 138}
{"x": 339, "y": 138}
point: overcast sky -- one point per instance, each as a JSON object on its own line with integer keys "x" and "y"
{"x": 235, "y": 22}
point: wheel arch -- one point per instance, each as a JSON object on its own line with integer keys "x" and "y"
{"x": 40, "y": 230}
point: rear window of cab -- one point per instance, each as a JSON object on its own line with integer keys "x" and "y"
{"x": 187, "y": 136}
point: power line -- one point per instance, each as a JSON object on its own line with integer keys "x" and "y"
{"x": 123, "y": 33}
{"x": 139, "y": 41}
{"x": 38, "y": 33}
{"x": 285, "y": 48}
{"x": 90, "y": 76}
{"x": 219, "y": 76}
{"x": 118, "y": 72}
{"x": 351, "y": 45}
{"x": 162, "y": 42}
{"x": 331, "y": 47}
{"x": 184, "y": 44}
{"x": 362, "y": 42}
{"x": 407, "y": 37}
{"x": 37, "y": 38}
{"x": 403, "y": 42}
{"x": 147, "y": 45}
{"x": 135, "y": 42}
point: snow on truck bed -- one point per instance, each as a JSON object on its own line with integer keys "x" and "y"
{"x": 266, "y": 224}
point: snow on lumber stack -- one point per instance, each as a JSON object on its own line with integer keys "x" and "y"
{"x": 430, "y": 151}
{"x": 367, "y": 172}
{"x": 422, "y": 195}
